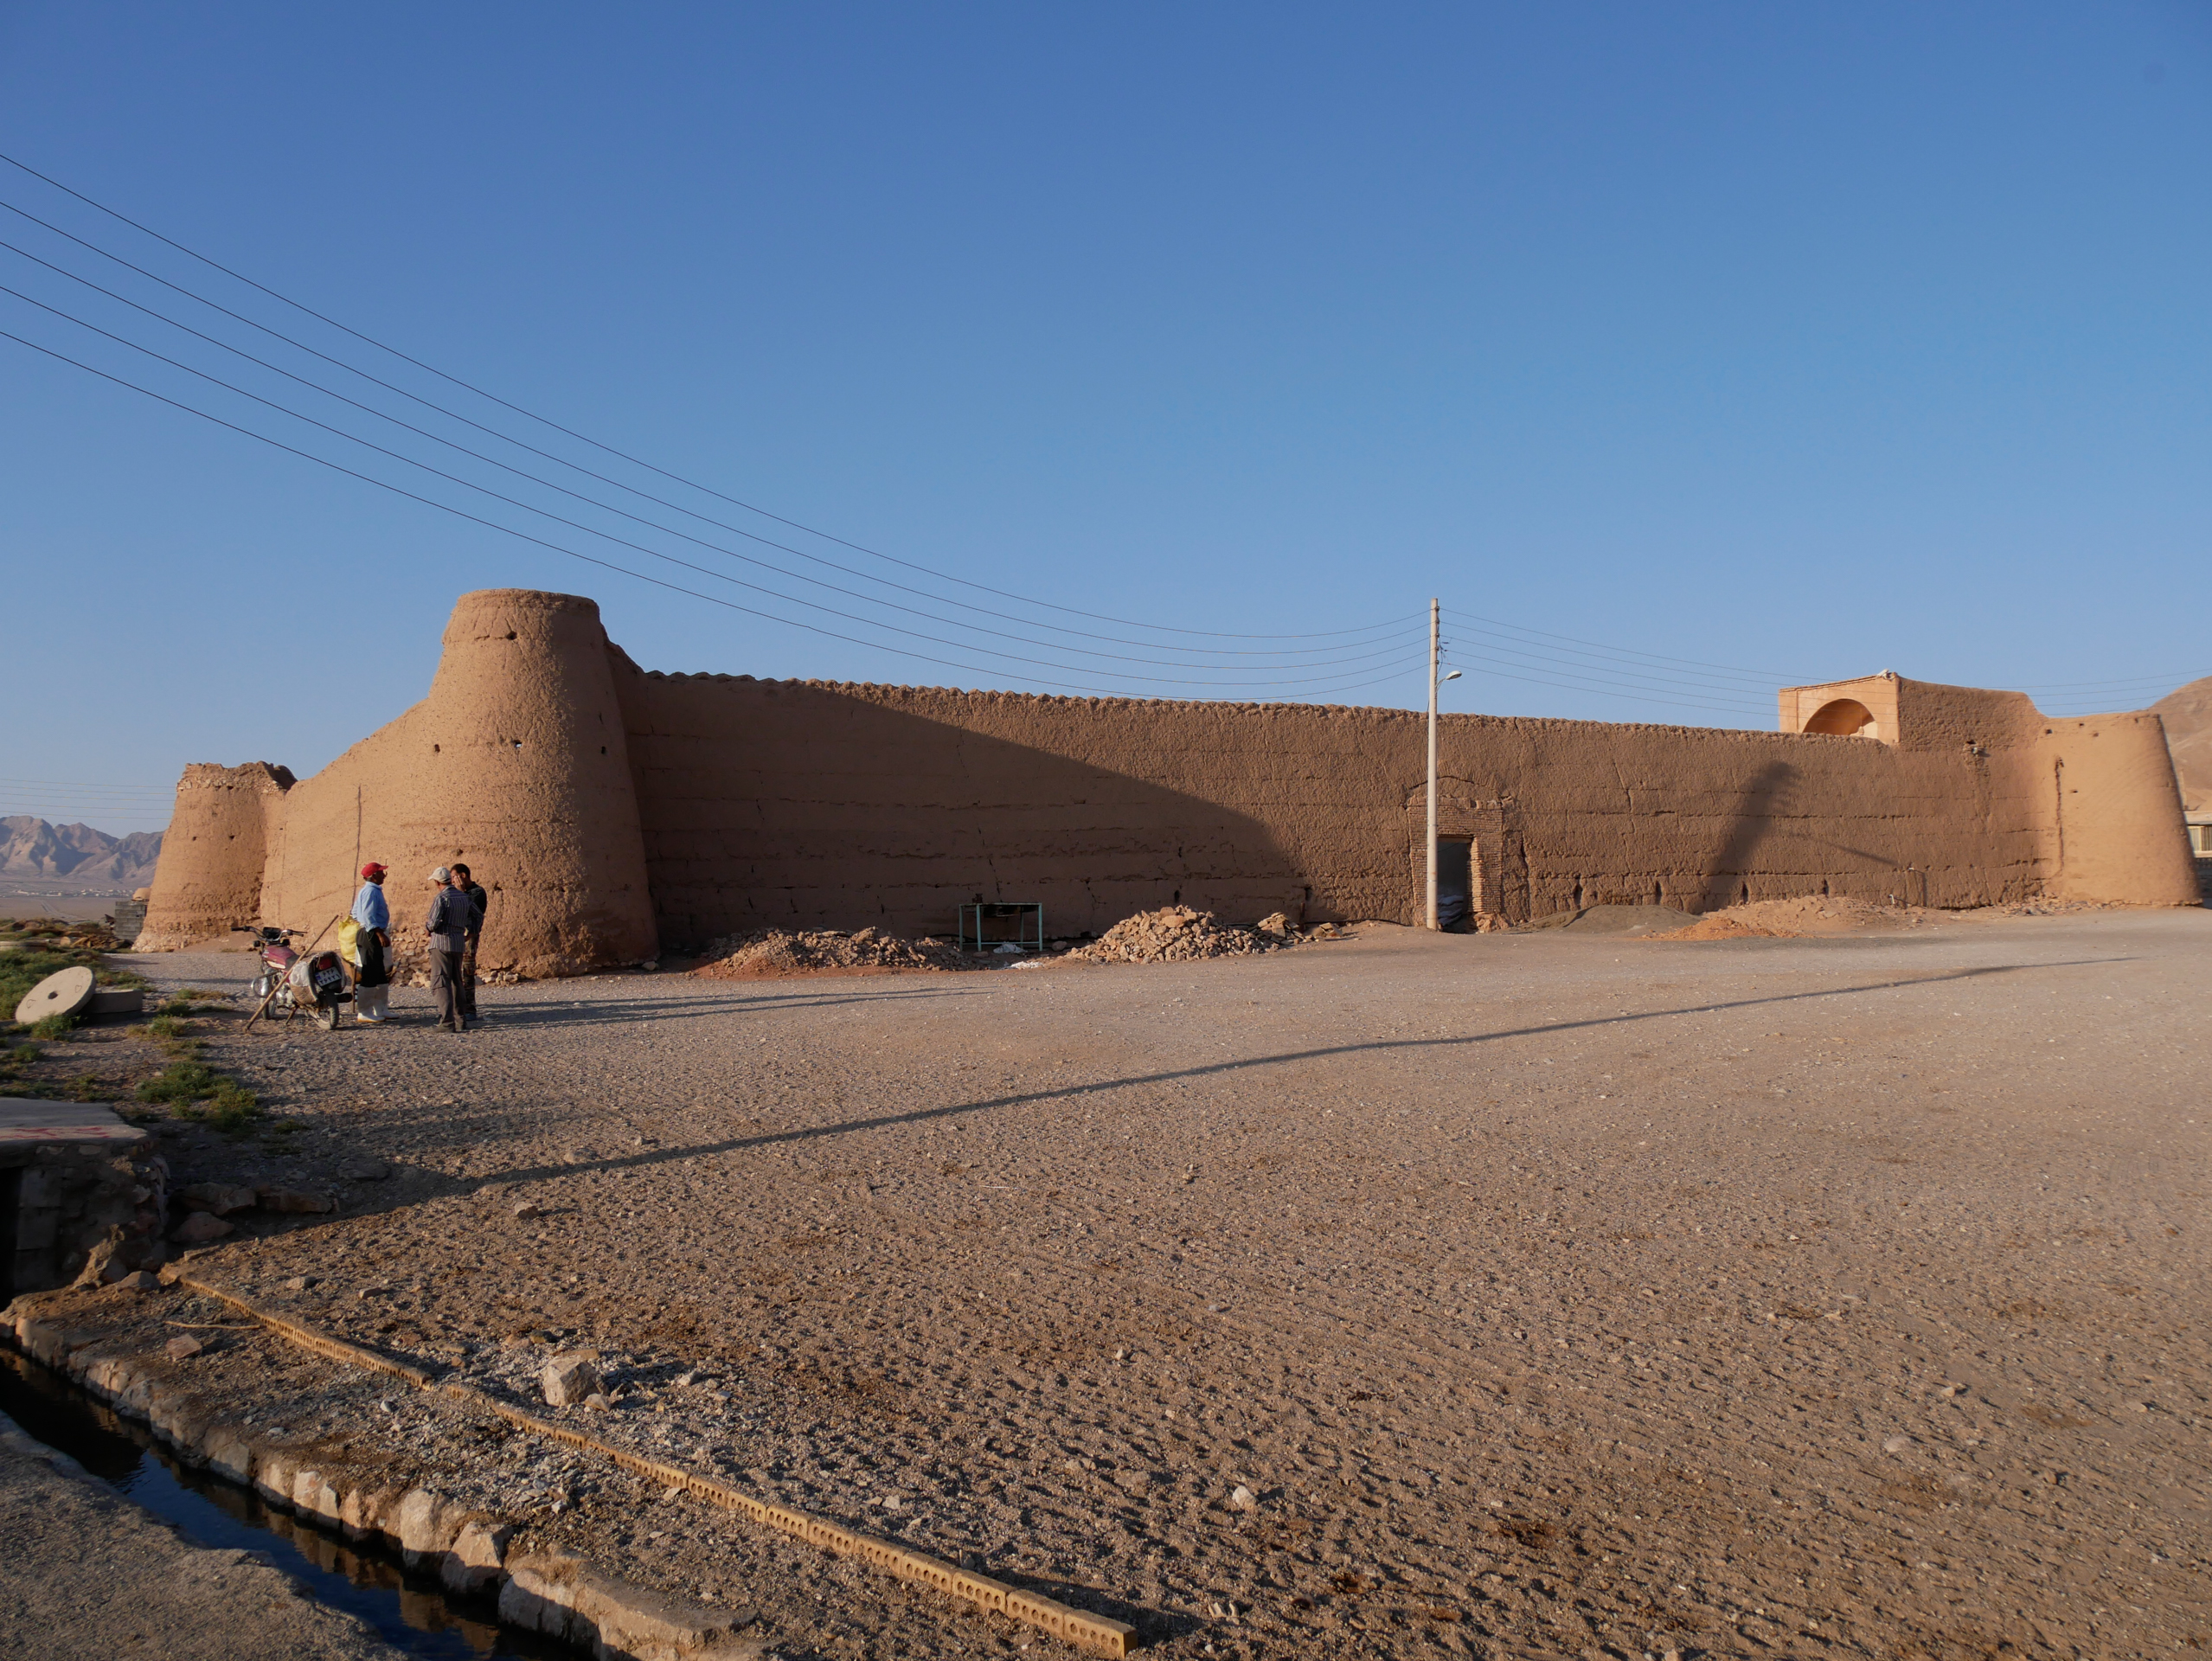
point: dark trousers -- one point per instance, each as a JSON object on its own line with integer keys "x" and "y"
{"x": 467, "y": 993}
{"x": 446, "y": 987}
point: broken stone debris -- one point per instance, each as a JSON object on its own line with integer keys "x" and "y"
{"x": 200, "y": 1227}
{"x": 1178, "y": 935}
{"x": 568, "y": 1379}
{"x": 287, "y": 1200}
{"x": 183, "y": 1347}
{"x": 363, "y": 1170}
{"x": 783, "y": 951}
{"x": 221, "y": 1198}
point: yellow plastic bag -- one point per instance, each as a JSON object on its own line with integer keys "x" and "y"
{"x": 350, "y": 941}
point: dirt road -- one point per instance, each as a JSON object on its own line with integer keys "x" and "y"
{"x": 1541, "y": 1295}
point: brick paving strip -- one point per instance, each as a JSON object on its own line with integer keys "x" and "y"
{"x": 553, "y": 1594}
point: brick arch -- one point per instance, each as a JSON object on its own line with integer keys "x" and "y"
{"x": 1846, "y": 717}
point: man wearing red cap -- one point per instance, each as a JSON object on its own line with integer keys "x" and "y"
{"x": 372, "y": 988}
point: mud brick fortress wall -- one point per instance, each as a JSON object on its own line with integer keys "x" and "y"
{"x": 615, "y": 809}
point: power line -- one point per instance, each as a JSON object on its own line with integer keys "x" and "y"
{"x": 797, "y": 552}
{"x": 523, "y": 535}
{"x": 1309, "y": 651}
{"x": 794, "y": 524}
{"x": 2172, "y": 682}
{"x": 1641, "y": 697}
{"x": 1605, "y": 671}
{"x": 590, "y": 530}
{"x": 1764, "y": 676}
{"x": 65, "y": 784}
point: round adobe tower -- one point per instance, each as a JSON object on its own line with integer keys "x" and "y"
{"x": 208, "y": 880}
{"x": 521, "y": 769}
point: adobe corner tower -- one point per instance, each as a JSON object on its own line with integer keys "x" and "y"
{"x": 518, "y": 763}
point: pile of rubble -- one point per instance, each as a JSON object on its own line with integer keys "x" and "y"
{"x": 1810, "y": 915}
{"x": 1178, "y": 935}
{"x": 772, "y": 951}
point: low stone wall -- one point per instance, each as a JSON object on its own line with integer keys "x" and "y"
{"x": 468, "y": 1546}
{"x": 465, "y": 1546}
{"x": 66, "y": 1208}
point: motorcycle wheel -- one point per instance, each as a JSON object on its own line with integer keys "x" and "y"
{"x": 280, "y": 1007}
{"x": 329, "y": 1014}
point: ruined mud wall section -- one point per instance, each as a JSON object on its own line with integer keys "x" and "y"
{"x": 518, "y": 763}
{"x": 208, "y": 881}
{"x": 808, "y": 805}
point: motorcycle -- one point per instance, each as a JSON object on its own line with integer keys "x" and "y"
{"x": 292, "y": 982}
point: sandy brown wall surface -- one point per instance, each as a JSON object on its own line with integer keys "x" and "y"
{"x": 208, "y": 881}
{"x": 2117, "y": 830}
{"x": 608, "y": 808}
{"x": 518, "y": 763}
{"x": 820, "y": 805}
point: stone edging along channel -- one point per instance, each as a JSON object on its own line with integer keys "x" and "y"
{"x": 556, "y": 1595}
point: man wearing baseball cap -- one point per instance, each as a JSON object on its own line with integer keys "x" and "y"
{"x": 372, "y": 988}
{"x": 448, "y": 928}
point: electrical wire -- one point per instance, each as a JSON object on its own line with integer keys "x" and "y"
{"x": 582, "y": 438}
{"x": 1314, "y": 652}
{"x": 523, "y": 535}
{"x": 1764, "y": 677}
{"x": 1603, "y": 670}
{"x": 1365, "y": 660}
{"x": 1624, "y": 661}
{"x": 1641, "y": 697}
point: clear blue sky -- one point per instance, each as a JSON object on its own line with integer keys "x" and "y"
{"x": 1799, "y": 341}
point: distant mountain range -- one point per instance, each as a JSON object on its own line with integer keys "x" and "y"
{"x": 2187, "y": 716}
{"x": 32, "y": 851}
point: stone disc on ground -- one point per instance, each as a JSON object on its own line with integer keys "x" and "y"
{"x": 65, "y": 992}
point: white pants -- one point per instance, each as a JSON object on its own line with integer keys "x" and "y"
{"x": 372, "y": 1002}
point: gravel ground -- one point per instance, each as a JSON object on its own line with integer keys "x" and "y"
{"x": 1545, "y": 1295}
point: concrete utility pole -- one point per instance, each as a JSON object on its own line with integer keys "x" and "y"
{"x": 1434, "y": 663}
{"x": 1435, "y": 622}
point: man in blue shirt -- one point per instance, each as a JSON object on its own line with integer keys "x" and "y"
{"x": 372, "y": 987}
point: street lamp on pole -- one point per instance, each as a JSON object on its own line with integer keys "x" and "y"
{"x": 1435, "y": 623}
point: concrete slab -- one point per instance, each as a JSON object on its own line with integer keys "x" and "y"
{"x": 25, "y": 1122}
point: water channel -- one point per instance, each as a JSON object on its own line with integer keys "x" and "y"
{"x": 410, "y": 1610}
